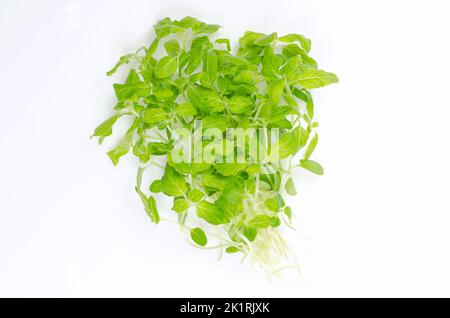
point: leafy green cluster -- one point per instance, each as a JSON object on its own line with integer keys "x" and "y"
{"x": 265, "y": 85}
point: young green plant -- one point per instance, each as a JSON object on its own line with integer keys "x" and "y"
{"x": 186, "y": 76}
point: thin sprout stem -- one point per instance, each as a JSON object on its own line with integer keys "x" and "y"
{"x": 157, "y": 165}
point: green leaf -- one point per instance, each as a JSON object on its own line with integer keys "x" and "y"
{"x": 241, "y": 105}
{"x": 292, "y": 68}
{"x": 301, "y": 94}
{"x": 293, "y": 50}
{"x": 165, "y": 67}
{"x": 105, "y": 128}
{"x": 186, "y": 109}
{"x": 250, "y": 184}
{"x": 198, "y": 48}
{"x": 270, "y": 181}
{"x": 266, "y": 39}
{"x": 312, "y": 166}
{"x": 195, "y": 195}
{"x": 230, "y": 169}
{"x": 231, "y": 199}
{"x": 139, "y": 177}
{"x": 151, "y": 50}
{"x": 249, "y": 38}
{"x": 120, "y": 150}
{"x": 206, "y": 29}
{"x": 188, "y": 168}
{"x": 312, "y": 145}
{"x": 174, "y": 183}
{"x": 289, "y": 98}
{"x": 152, "y": 210}
{"x": 194, "y": 60}
{"x": 180, "y": 205}
{"x": 156, "y": 186}
{"x": 215, "y": 182}
{"x": 205, "y": 100}
{"x": 288, "y": 211}
{"x": 232, "y": 249}
{"x": 172, "y": 48}
{"x": 305, "y": 95}
{"x": 131, "y": 91}
{"x": 250, "y": 233}
{"x": 275, "y": 221}
{"x": 159, "y": 148}
{"x": 260, "y": 221}
{"x": 165, "y": 92}
{"x": 226, "y": 42}
{"x": 153, "y": 115}
{"x": 286, "y": 146}
{"x": 133, "y": 77}
{"x": 215, "y": 103}
{"x": 290, "y": 187}
{"x": 275, "y": 89}
{"x": 140, "y": 150}
{"x": 219, "y": 122}
{"x": 188, "y": 22}
{"x": 164, "y": 27}
{"x": 149, "y": 205}
{"x": 301, "y": 136}
{"x": 271, "y": 64}
{"x": 123, "y": 60}
{"x": 211, "y": 213}
{"x": 245, "y": 77}
{"x": 198, "y": 236}
{"x": 272, "y": 204}
{"x": 316, "y": 78}
{"x": 211, "y": 65}
{"x": 304, "y": 42}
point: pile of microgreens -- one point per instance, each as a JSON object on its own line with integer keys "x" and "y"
{"x": 265, "y": 85}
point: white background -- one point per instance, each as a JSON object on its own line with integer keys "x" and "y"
{"x": 378, "y": 222}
